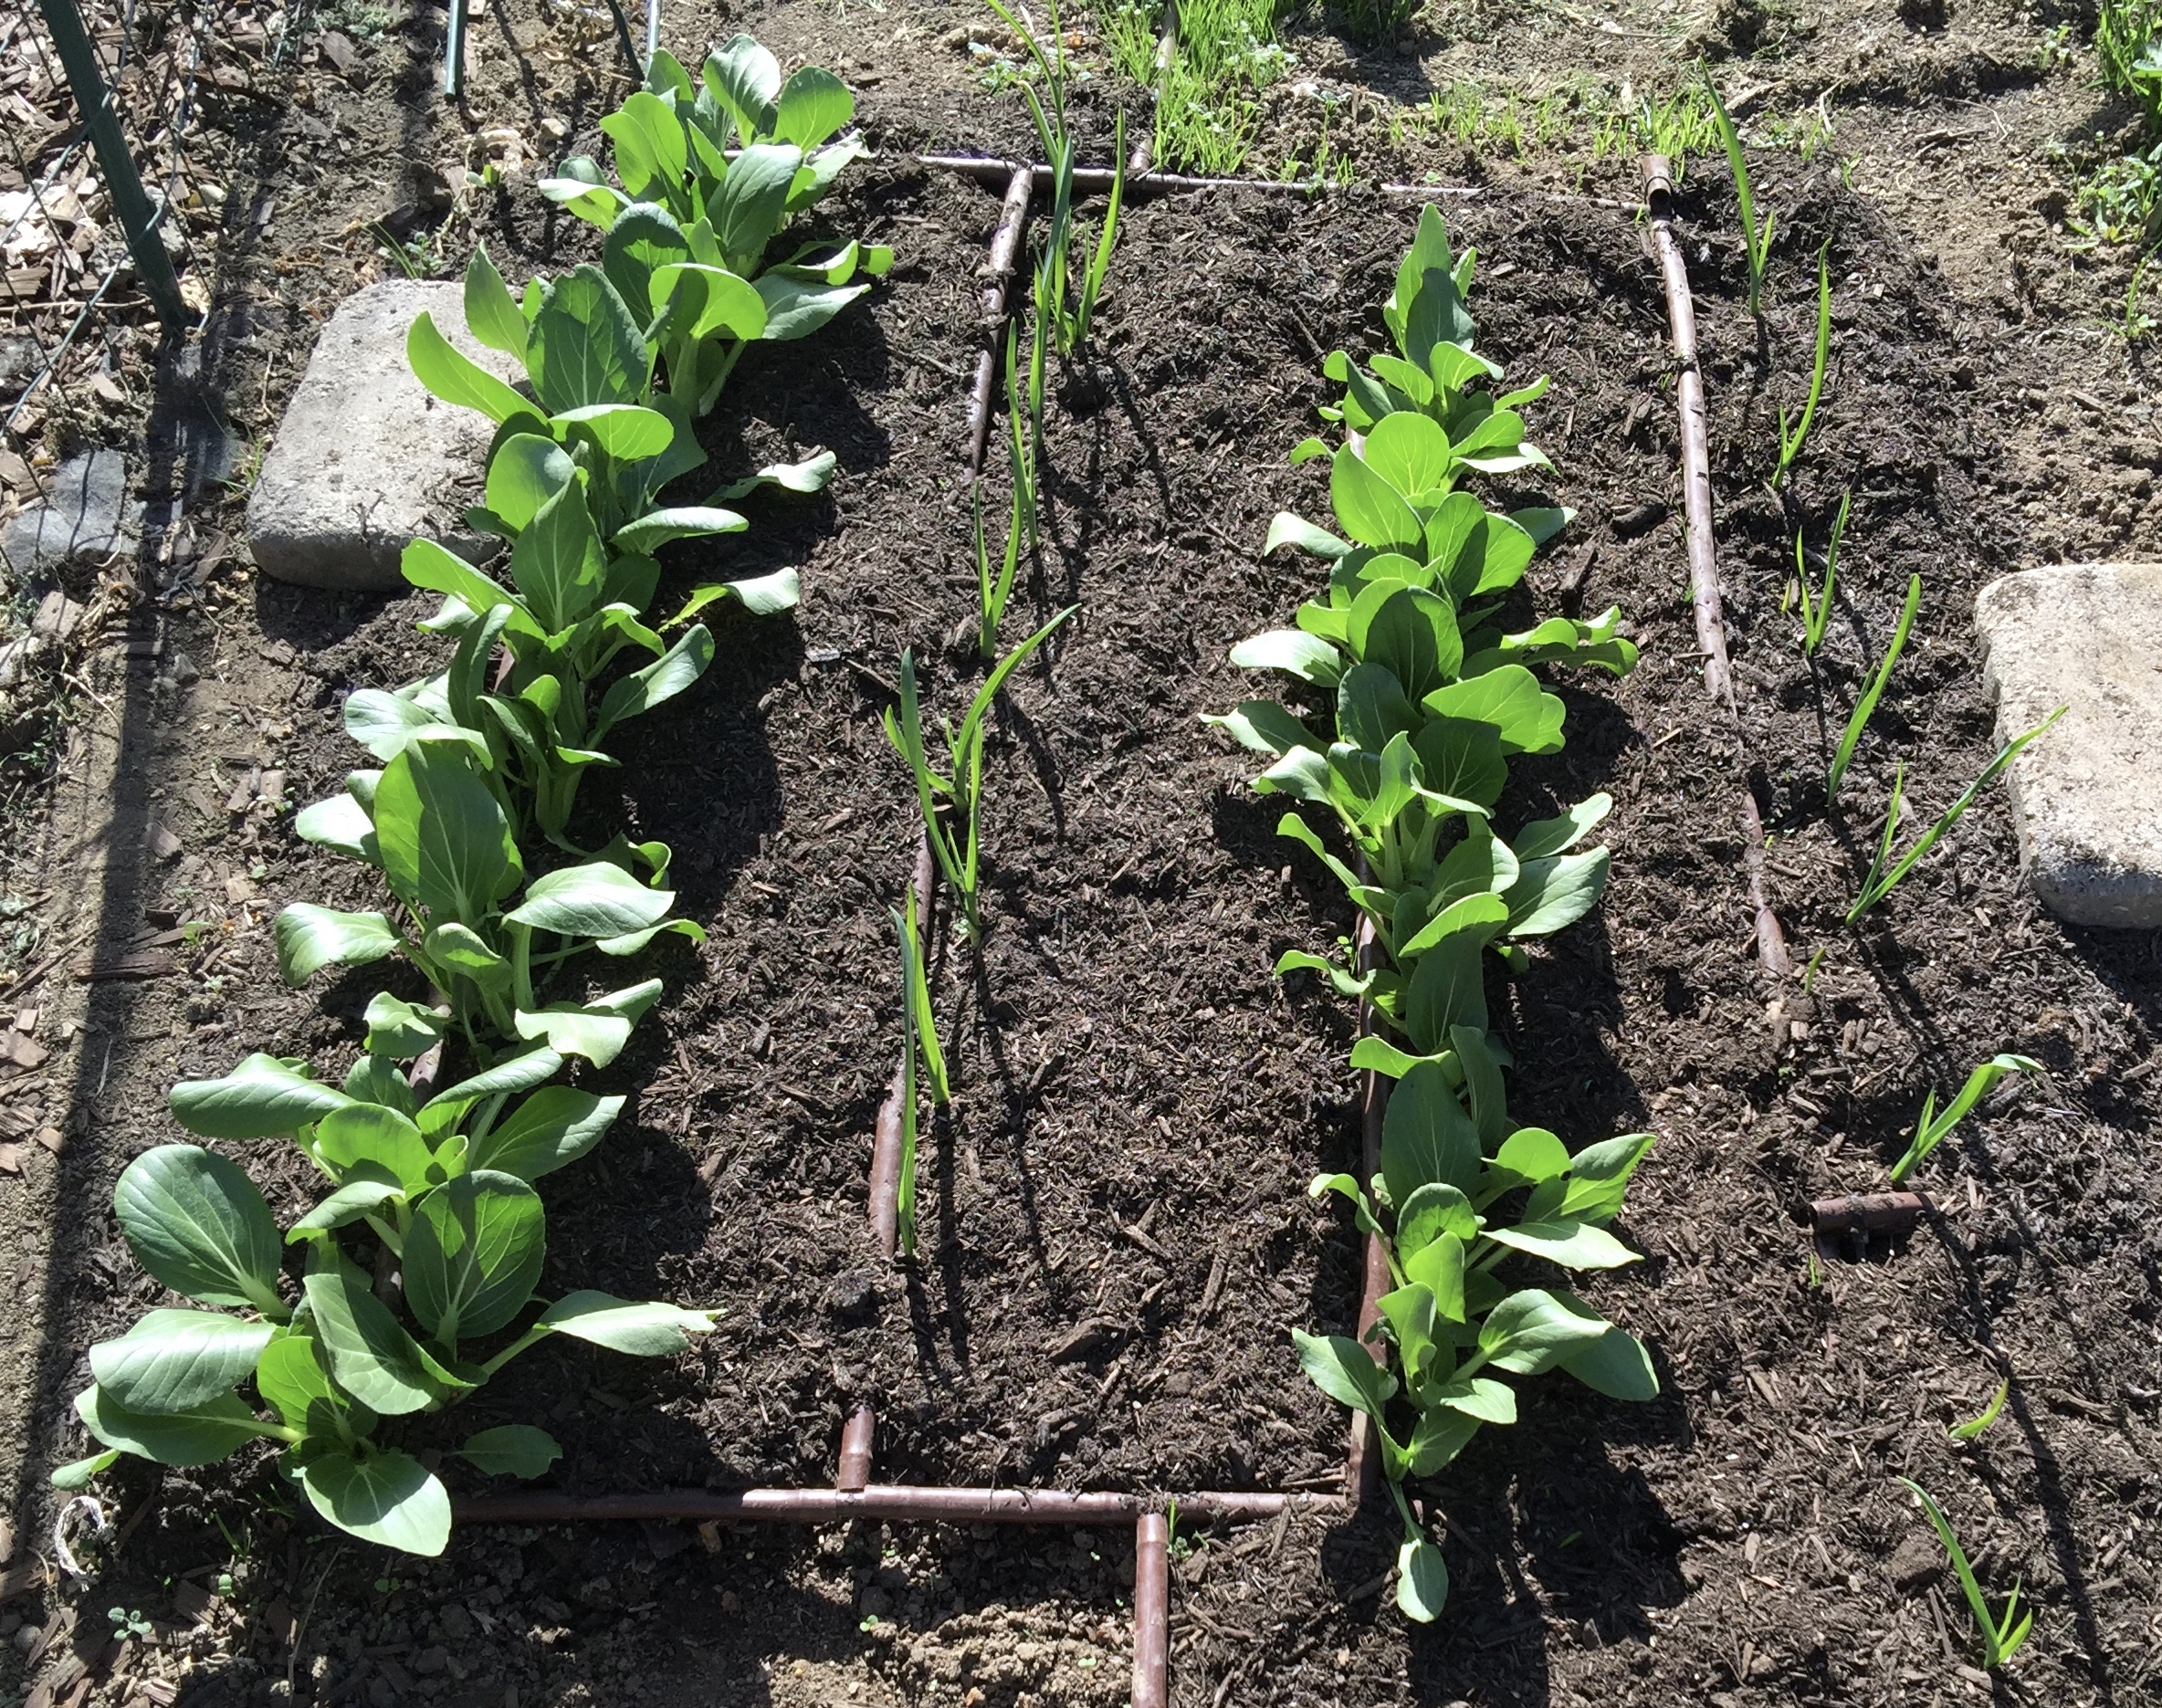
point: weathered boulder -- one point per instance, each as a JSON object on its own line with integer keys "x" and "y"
{"x": 2087, "y": 795}
{"x": 365, "y": 458}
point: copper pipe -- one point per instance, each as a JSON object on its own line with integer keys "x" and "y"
{"x": 1874, "y": 1212}
{"x": 1363, "y": 1466}
{"x": 1704, "y": 561}
{"x": 885, "y": 1135}
{"x": 853, "y": 1475}
{"x": 1095, "y": 180}
{"x": 880, "y": 1500}
{"x": 1152, "y": 1596}
{"x": 998, "y": 273}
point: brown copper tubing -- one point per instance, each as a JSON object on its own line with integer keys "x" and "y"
{"x": 1704, "y": 561}
{"x": 885, "y": 1136}
{"x": 854, "y": 1473}
{"x": 998, "y": 273}
{"x": 1152, "y": 1597}
{"x": 1874, "y": 1212}
{"x": 880, "y": 1500}
{"x": 1092, "y": 180}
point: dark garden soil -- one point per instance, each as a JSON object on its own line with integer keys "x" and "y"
{"x": 1116, "y": 1237}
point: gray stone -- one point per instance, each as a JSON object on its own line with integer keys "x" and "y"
{"x": 365, "y": 458}
{"x": 87, "y": 516}
{"x": 2082, "y": 635}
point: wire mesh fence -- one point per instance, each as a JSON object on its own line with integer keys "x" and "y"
{"x": 99, "y": 106}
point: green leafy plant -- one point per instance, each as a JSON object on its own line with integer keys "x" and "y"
{"x": 2001, "y": 1638}
{"x": 1065, "y": 291}
{"x": 688, "y": 234}
{"x": 331, "y": 1362}
{"x": 1974, "y": 1426}
{"x": 430, "y": 822}
{"x": 1930, "y": 1131}
{"x": 2128, "y": 47}
{"x": 1883, "y": 875}
{"x": 1417, "y": 700}
{"x": 1791, "y": 442}
{"x": 1816, "y": 614}
{"x": 1756, "y": 238}
{"x": 951, "y": 800}
{"x": 1843, "y": 755}
{"x": 1224, "y": 54}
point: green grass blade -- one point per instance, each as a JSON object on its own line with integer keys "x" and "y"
{"x": 1867, "y": 704}
{"x": 1994, "y": 1653}
{"x": 925, "y": 1023}
{"x": 1876, "y": 891}
{"x": 1974, "y": 1426}
{"x": 1790, "y": 449}
{"x": 1731, "y": 141}
{"x": 1822, "y": 619}
{"x": 904, "y": 1192}
{"x": 1092, "y": 287}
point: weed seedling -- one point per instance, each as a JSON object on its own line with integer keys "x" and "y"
{"x": 1880, "y": 883}
{"x": 1867, "y": 704}
{"x": 1756, "y": 238}
{"x": 1931, "y": 1130}
{"x": 1816, "y": 616}
{"x": 2000, "y": 1637}
{"x": 1791, "y": 444}
{"x": 1974, "y": 1426}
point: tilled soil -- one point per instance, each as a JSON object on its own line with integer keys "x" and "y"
{"x": 1116, "y": 1237}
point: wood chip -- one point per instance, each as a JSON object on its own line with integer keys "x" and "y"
{"x": 22, "y": 1052}
{"x": 149, "y": 964}
{"x": 192, "y": 1601}
{"x": 278, "y": 1620}
{"x": 163, "y": 843}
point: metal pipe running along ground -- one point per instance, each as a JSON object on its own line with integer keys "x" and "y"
{"x": 1704, "y": 561}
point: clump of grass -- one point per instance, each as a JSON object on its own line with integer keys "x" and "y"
{"x": 1208, "y": 107}
{"x": 2128, "y": 50}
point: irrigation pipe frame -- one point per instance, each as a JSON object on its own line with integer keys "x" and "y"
{"x": 853, "y": 1497}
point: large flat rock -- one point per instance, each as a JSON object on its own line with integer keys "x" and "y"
{"x": 87, "y": 516}
{"x": 2087, "y": 795}
{"x": 365, "y": 458}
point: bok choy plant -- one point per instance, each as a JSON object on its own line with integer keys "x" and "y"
{"x": 690, "y": 230}
{"x": 430, "y": 822}
{"x": 1416, "y": 699}
{"x": 443, "y": 1186}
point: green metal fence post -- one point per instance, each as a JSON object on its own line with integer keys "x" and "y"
{"x": 153, "y": 266}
